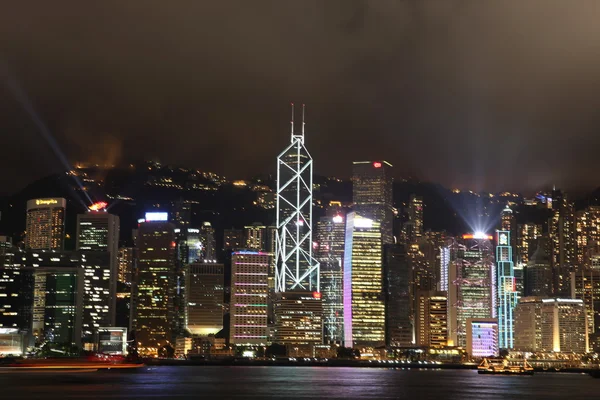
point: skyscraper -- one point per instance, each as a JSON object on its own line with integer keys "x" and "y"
{"x": 255, "y": 236}
{"x": 204, "y": 295}
{"x": 154, "y": 288}
{"x": 372, "y": 191}
{"x": 585, "y": 285}
{"x": 98, "y": 231}
{"x": 506, "y": 289}
{"x": 471, "y": 285}
{"x": 413, "y": 228}
{"x": 538, "y": 272}
{"x": 398, "y": 296}
{"x": 45, "y": 224}
{"x": 249, "y": 291}
{"x": 329, "y": 253}
{"x": 364, "y": 308}
{"x": 58, "y": 301}
{"x": 16, "y": 288}
{"x": 563, "y": 240}
{"x": 208, "y": 240}
{"x": 296, "y": 269}
{"x": 526, "y": 236}
{"x": 126, "y": 259}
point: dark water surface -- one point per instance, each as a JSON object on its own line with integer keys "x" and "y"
{"x": 296, "y": 383}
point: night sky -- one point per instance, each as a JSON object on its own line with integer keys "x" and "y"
{"x": 474, "y": 94}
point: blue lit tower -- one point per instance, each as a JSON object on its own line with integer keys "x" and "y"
{"x": 507, "y": 291}
{"x": 296, "y": 270}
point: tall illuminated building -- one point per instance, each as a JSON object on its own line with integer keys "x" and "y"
{"x": 398, "y": 289}
{"x": 204, "y": 295}
{"x": 526, "y": 236}
{"x": 506, "y": 289}
{"x": 563, "y": 240}
{"x": 538, "y": 272}
{"x": 98, "y": 231}
{"x": 372, "y": 194}
{"x": 126, "y": 260}
{"x": 471, "y": 284}
{"x": 585, "y": 285}
{"x": 587, "y": 234}
{"x": 154, "y": 284}
{"x": 208, "y": 240}
{"x": 296, "y": 269}
{"x": 248, "y": 308}
{"x": 364, "y": 308}
{"x": 413, "y": 228}
{"x": 16, "y": 288}
{"x": 255, "y": 236}
{"x": 45, "y": 225}
{"x": 58, "y": 301}
{"x": 329, "y": 252}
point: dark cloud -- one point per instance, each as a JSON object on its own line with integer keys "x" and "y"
{"x": 479, "y": 94}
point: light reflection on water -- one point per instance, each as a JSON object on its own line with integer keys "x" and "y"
{"x": 298, "y": 383}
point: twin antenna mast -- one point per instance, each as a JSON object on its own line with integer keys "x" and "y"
{"x": 301, "y": 136}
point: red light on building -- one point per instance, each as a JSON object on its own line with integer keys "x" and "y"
{"x": 173, "y": 244}
{"x": 377, "y": 164}
{"x": 316, "y": 295}
{"x": 101, "y": 205}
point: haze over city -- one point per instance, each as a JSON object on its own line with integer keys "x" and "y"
{"x": 481, "y": 95}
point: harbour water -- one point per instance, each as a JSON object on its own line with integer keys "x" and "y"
{"x": 193, "y": 382}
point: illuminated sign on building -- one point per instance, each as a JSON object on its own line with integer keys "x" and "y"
{"x": 156, "y": 216}
{"x": 46, "y": 202}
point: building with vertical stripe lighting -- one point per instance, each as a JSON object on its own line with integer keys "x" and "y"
{"x": 506, "y": 290}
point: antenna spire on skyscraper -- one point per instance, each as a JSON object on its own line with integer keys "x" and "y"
{"x": 303, "y": 108}
{"x": 292, "y": 121}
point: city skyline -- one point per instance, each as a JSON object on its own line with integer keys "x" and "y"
{"x": 450, "y": 114}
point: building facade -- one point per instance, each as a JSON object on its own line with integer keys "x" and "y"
{"x": 482, "y": 337}
{"x": 154, "y": 285}
{"x": 329, "y": 253}
{"x": 248, "y": 308}
{"x": 372, "y": 195}
{"x": 45, "y": 225}
{"x": 364, "y": 307}
{"x": 204, "y": 296}
{"x": 471, "y": 285}
{"x": 506, "y": 289}
{"x": 551, "y": 325}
